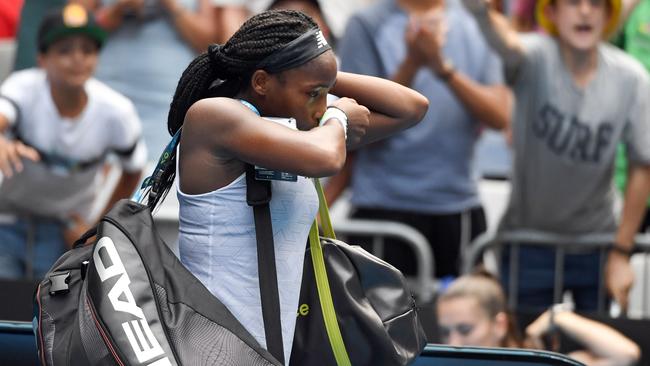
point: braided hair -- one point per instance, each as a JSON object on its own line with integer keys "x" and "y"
{"x": 224, "y": 71}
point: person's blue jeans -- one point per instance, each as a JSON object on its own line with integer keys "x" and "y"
{"x": 536, "y": 277}
{"x": 19, "y": 259}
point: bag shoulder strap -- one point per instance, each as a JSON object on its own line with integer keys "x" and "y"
{"x": 322, "y": 282}
{"x": 258, "y": 195}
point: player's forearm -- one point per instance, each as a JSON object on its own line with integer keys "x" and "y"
{"x": 393, "y": 106}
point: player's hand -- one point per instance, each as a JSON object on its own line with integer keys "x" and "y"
{"x": 11, "y": 155}
{"x": 619, "y": 277}
{"x": 358, "y": 119}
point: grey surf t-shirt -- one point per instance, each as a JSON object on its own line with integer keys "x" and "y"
{"x": 565, "y": 138}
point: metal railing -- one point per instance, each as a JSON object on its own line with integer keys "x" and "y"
{"x": 563, "y": 244}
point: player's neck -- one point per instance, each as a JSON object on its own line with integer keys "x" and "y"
{"x": 581, "y": 64}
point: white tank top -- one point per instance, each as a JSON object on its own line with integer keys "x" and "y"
{"x": 217, "y": 244}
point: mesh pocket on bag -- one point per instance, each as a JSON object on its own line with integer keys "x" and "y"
{"x": 199, "y": 341}
{"x": 92, "y": 341}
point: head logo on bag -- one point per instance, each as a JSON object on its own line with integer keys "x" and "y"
{"x": 142, "y": 340}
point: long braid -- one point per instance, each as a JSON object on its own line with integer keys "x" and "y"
{"x": 192, "y": 85}
{"x": 233, "y": 64}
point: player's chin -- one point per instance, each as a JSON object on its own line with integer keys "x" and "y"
{"x": 306, "y": 126}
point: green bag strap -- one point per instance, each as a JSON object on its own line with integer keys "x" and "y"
{"x": 326, "y": 222}
{"x": 322, "y": 283}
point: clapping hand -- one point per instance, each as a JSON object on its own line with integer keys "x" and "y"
{"x": 425, "y": 38}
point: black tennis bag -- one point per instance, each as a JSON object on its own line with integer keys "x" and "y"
{"x": 126, "y": 299}
{"x": 377, "y": 315}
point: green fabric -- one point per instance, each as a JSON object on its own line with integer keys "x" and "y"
{"x": 637, "y": 33}
{"x": 322, "y": 282}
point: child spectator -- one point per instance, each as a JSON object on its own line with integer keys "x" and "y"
{"x": 62, "y": 124}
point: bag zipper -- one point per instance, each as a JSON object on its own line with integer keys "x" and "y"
{"x": 40, "y": 326}
{"x": 100, "y": 327}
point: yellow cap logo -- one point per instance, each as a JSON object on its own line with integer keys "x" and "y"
{"x": 74, "y": 15}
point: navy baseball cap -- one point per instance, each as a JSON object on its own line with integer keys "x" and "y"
{"x": 69, "y": 20}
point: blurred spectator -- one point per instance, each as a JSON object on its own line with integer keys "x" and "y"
{"x": 231, "y": 14}
{"x": 309, "y": 7}
{"x": 9, "y": 16}
{"x": 523, "y": 15}
{"x": 338, "y": 12}
{"x": 149, "y": 45}
{"x": 423, "y": 176}
{"x": 577, "y": 98}
{"x": 473, "y": 312}
{"x": 62, "y": 124}
{"x": 335, "y": 12}
{"x": 635, "y": 33}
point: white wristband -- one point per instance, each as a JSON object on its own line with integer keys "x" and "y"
{"x": 337, "y": 114}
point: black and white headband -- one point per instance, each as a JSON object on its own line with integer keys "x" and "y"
{"x": 297, "y": 52}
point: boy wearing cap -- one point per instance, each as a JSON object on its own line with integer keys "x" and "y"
{"x": 577, "y": 98}
{"x": 58, "y": 126}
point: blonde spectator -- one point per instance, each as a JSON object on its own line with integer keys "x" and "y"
{"x": 473, "y": 312}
